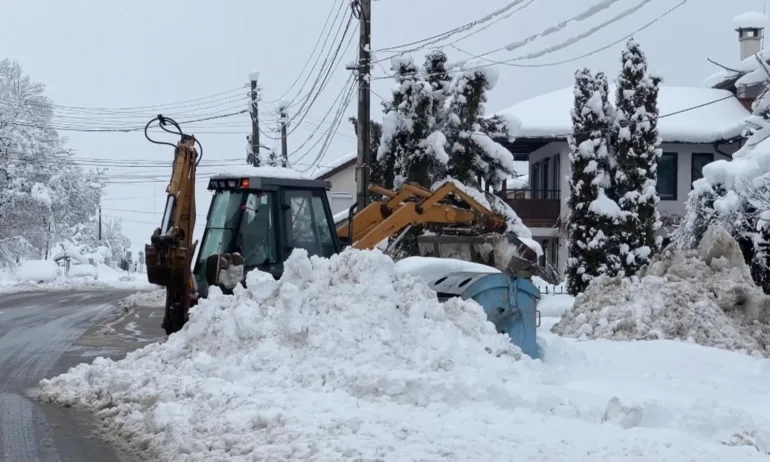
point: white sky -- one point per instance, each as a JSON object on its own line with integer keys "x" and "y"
{"x": 147, "y": 53}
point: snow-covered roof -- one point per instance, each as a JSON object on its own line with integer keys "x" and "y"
{"x": 243, "y": 171}
{"x": 548, "y": 116}
{"x": 325, "y": 166}
{"x": 750, "y": 20}
{"x": 747, "y": 72}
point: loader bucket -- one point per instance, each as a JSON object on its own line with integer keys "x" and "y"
{"x": 502, "y": 251}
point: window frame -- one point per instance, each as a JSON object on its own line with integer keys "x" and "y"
{"x": 675, "y": 172}
{"x": 695, "y": 155}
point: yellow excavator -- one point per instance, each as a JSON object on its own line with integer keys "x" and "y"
{"x": 258, "y": 216}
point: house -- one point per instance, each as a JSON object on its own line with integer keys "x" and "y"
{"x": 697, "y": 125}
{"x": 341, "y": 172}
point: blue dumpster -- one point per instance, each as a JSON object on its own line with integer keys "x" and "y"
{"x": 510, "y": 303}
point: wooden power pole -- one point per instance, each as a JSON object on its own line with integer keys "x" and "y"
{"x": 363, "y": 11}
{"x": 254, "y": 120}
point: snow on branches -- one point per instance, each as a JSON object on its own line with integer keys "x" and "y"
{"x": 592, "y": 241}
{"x": 43, "y": 192}
{"x": 636, "y": 144}
{"x": 435, "y": 127}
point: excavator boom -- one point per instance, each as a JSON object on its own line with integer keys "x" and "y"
{"x": 461, "y": 227}
{"x": 170, "y": 253}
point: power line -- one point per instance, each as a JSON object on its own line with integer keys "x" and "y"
{"x": 312, "y": 53}
{"x": 328, "y": 73}
{"x": 511, "y": 62}
{"x": 439, "y": 37}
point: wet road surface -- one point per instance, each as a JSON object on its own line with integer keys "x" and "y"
{"x": 43, "y": 335}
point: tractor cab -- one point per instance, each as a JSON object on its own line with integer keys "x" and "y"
{"x": 256, "y": 222}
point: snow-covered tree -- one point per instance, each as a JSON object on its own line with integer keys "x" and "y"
{"x": 440, "y": 80}
{"x": 43, "y": 192}
{"x": 376, "y": 169}
{"x": 411, "y": 146}
{"x": 592, "y": 244}
{"x": 475, "y": 159}
{"x": 636, "y": 150}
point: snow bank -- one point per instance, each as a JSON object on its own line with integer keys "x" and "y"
{"x": 705, "y": 296}
{"x": 48, "y": 276}
{"x": 82, "y": 270}
{"x": 38, "y": 271}
{"x": 312, "y": 367}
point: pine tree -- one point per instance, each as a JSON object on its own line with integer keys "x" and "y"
{"x": 475, "y": 159}
{"x": 376, "y": 169}
{"x": 637, "y": 142}
{"x": 593, "y": 214}
{"x": 396, "y": 125}
{"x": 441, "y": 83}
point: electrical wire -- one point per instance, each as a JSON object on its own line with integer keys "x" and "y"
{"x": 511, "y": 62}
{"x": 439, "y": 37}
{"x": 325, "y": 82}
{"x": 312, "y": 53}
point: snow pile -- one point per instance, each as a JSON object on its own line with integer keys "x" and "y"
{"x": 151, "y": 298}
{"x": 314, "y": 366}
{"x": 38, "y": 271}
{"x": 705, "y": 296}
{"x": 47, "y": 275}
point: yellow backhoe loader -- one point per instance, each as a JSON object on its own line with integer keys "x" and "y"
{"x": 258, "y": 216}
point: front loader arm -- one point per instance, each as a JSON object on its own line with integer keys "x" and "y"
{"x": 170, "y": 253}
{"x": 414, "y": 205}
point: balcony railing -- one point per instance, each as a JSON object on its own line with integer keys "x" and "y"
{"x": 537, "y": 208}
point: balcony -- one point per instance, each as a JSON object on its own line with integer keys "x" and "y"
{"x": 537, "y": 209}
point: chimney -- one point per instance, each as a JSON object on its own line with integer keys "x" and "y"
{"x": 751, "y": 28}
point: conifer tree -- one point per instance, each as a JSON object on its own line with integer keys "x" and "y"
{"x": 396, "y": 127}
{"x": 475, "y": 159}
{"x": 593, "y": 213}
{"x": 637, "y": 142}
{"x": 376, "y": 169}
{"x": 441, "y": 83}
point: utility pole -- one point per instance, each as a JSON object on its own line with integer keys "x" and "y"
{"x": 362, "y": 9}
{"x": 254, "y": 120}
{"x": 284, "y": 141}
{"x": 100, "y": 223}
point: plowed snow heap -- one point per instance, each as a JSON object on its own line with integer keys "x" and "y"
{"x": 706, "y": 296}
{"x": 319, "y": 365}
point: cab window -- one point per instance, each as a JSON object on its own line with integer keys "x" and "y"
{"x": 307, "y": 224}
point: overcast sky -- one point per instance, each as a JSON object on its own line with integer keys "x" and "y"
{"x": 144, "y": 53}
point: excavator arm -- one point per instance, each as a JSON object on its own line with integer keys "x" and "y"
{"x": 170, "y": 253}
{"x": 466, "y": 229}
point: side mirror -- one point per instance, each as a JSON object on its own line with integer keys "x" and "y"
{"x": 224, "y": 269}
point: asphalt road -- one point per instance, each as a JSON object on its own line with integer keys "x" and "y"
{"x": 43, "y": 335}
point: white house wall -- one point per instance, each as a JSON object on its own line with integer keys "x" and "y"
{"x": 672, "y": 208}
{"x": 343, "y": 192}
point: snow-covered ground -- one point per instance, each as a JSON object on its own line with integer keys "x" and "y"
{"x": 45, "y": 275}
{"x": 350, "y": 359}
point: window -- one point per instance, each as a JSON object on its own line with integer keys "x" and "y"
{"x": 546, "y": 186}
{"x": 307, "y": 224}
{"x": 699, "y": 160}
{"x": 535, "y": 179}
{"x": 256, "y": 234}
{"x": 667, "y": 176}
{"x": 556, "y": 180}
